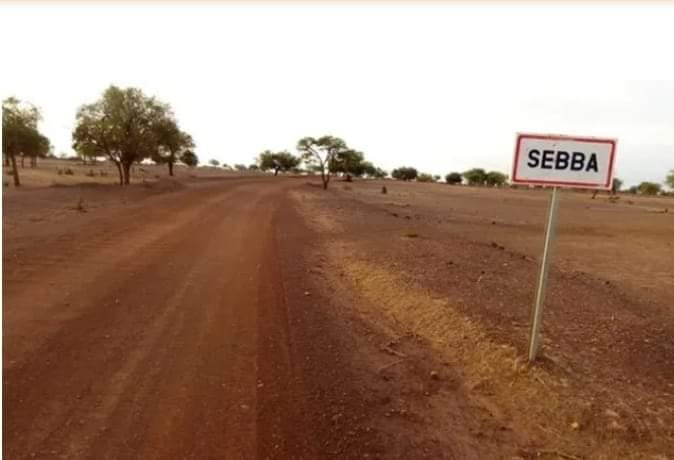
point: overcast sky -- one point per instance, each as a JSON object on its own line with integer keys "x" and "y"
{"x": 442, "y": 87}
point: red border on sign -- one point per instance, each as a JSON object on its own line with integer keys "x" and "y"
{"x": 521, "y": 136}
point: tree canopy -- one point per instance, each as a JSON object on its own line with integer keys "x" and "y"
{"x": 322, "y": 154}
{"x": 495, "y": 179}
{"x": 277, "y": 161}
{"x": 122, "y": 126}
{"x": 189, "y": 158}
{"x": 453, "y": 178}
{"x": 404, "y": 173}
{"x": 171, "y": 141}
{"x": 20, "y": 135}
{"x": 475, "y": 176}
{"x": 351, "y": 163}
{"x": 649, "y": 188}
{"x": 425, "y": 177}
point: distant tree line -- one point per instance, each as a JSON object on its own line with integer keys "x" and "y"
{"x": 325, "y": 155}
{"x": 126, "y": 127}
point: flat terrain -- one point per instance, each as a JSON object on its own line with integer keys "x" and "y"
{"x": 260, "y": 317}
{"x": 57, "y": 172}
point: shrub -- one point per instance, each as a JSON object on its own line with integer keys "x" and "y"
{"x": 453, "y": 178}
{"x": 423, "y": 177}
{"x": 404, "y": 173}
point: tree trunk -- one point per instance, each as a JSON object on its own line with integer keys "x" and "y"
{"x": 326, "y": 180}
{"x": 15, "y": 171}
{"x": 127, "y": 173}
{"x": 170, "y": 165}
{"x": 22, "y": 158}
{"x": 119, "y": 170}
{"x": 33, "y": 162}
{"x": 6, "y": 159}
{"x": 275, "y": 171}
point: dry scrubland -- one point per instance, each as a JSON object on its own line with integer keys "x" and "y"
{"x": 450, "y": 271}
{"x": 52, "y": 172}
{"x": 264, "y": 317}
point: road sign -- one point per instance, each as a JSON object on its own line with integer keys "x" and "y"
{"x": 564, "y": 161}
{"x": 559, "y": 161}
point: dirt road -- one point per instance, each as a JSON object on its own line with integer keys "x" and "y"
{"x": 143, "y": 332}
{"x": 267, "y": 318}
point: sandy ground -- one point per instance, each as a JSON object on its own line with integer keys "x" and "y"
{"x": 265, "y": 318}
{"x": 449, "y": 272}
{"x": 52, "y": 172}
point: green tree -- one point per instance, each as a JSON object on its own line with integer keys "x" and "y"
{"x": 669, "y": 180}
{"x": 424, "y": 177}
{"x": 171, "y": 141}
{"x": 189, "y": 158}
{"x": 253, "y": 167}
{"x": 649, "y": 188}
{"x": 475, "y": 176}
{"x": 495, "y": 179}
{"x": 349, "y": 163}
{"x": 214, "y": 162}
{"x": 453, "y": 178}
{"x": 278, "y": 162}
{"x": 616, "y": 186}
{"x": 368, "y": 169}
{"x": 379, "y": 173}
{"x": 321, "y": 154}
{"x": 240, "y": 167}
{"x": 20, "y": 135}
{"x": 121, "y": 126}
{"x": 404, "y": 173}
{"x": 39, "y": 148}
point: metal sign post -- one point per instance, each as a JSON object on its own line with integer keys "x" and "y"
{"x": 559, "y": 161}
{"x": 537, "y": 311}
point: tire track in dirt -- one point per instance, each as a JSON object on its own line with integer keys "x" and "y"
{"x": 159, "y": 357}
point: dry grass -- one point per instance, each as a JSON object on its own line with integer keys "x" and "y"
{"x": 52, "y": 173}
{"x": 556, "y": 410}
{"x": 548, "y": 407}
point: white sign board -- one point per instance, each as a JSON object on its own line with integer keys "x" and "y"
{"x": 564, "y": 161}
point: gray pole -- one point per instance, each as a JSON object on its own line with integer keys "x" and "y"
{"x": 537, "y": 312}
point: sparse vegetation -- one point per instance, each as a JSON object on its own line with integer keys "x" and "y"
{"x": 495, "y": 179}
{"x": 126, "y": 127}
{"x": 322, "y": 153}
{"x": 172, "y": 143}
{"x": 453, "y": 178}
{"x": 189, "y": 158}
{"x": 20, "y": 135}
{"x": 404, "y": 173}
{"x": 475, "y": 176}
{"x": 649, "y": 188}
{"x": 278, "y": 162}
{"x": 424, "y": 177}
